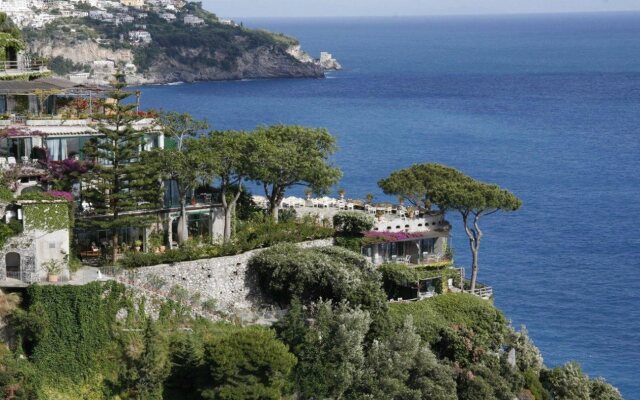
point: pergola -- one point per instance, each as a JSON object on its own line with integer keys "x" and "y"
{"x": 53, "y": 86}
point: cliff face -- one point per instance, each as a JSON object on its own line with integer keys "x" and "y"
{"x": 85, "y": 52}
{"x": 259, "y": 63}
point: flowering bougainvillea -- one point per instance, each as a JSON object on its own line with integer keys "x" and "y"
{"x": 59, "y": 194}
{"x": 393, "y": 236}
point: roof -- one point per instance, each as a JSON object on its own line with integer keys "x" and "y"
{"x": 47, "y": 83}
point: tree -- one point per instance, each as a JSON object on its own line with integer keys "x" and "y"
{"x": 416, "y": 182}
{"x": 225, "y": 157}
{"x": 328, "y": 340}
{"x": 452, "y": 190}
{"x": 146, "y": 375}
{"x": 119, "y": 182}
{"x": 182, "y": 168}
{"x": 181, "y": 126}
{"x": 247, "y": 363}
{"x": 402, "y": 367}
{"x": 285, "y": 156}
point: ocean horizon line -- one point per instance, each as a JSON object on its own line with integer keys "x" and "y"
{"x": 443, "y": 15}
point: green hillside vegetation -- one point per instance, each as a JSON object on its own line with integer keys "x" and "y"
{"x": 96, "y": 342}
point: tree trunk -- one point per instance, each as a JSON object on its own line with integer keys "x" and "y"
{"x": 274, "y": 211}
{"x": 227, "y": 224}
{"x": 474, "y": 234}
{"x": 114, "y": 245}
{"x": 183, "y": 233}
{"x": 474, "y": 264}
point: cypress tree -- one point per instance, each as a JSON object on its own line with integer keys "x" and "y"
{"x": 120, "y": 182}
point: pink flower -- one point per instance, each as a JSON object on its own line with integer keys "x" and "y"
{"x": 62, "y": 195}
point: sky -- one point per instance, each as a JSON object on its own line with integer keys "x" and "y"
{"x": 334, "y": 8}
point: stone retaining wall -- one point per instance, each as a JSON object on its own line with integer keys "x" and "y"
{"x": 222, "y": 278}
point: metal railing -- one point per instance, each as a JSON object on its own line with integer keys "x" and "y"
{"x": 20, "y": 66}
{"x": 484, "y": 292}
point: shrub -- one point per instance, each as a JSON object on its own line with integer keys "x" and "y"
{"x": 532, "y": 382}
{"x": 430, "y": 316}
{"x": 286, "y": 271}
{"x": 528, "y": 356}
{"x": 352, "y": 223}
{"x": 210, "y": 305}
{"x": 251, "y": 235}
{"x": 601, "y": 390}
{"x": 400, "y": 280}
{"x": 353, "y": 243}
{"x": 5, "y": 194}
{"x": 179, "y": 294}
{"x": 567, "y": 382}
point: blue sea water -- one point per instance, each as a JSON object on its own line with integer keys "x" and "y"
{"x": 547, "y": 106}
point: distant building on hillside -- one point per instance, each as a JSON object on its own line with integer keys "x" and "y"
{"x": 140, "y": 37}
{"x": 133, "y": 3}
{"x": 193, "y": 20}
{"x": 168, "y": 17}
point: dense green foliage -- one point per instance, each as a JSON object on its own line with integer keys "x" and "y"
{"x": 569, "y": 382}
{"x": 283, "y": 156}
{"x": 66, "y": 329}
{"x": 63, "y": 66}
{"x": 251, "y": 235}
{"x": 95, "y": 342}
{"x": 287, "y": 271}
{"x": 398, "y": 278}
{"x": 440, "y": 312}
{"x": 225, "y": 157}
{"x": 352, "y": 223}
{"x": 247, "y": 364}
{"x": 47, "y": 216}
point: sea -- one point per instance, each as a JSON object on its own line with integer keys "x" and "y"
{"x": 547, "y": 106}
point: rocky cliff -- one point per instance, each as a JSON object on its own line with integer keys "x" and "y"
{"x": 91, "y": 50}
{"x": 258, "y": 63}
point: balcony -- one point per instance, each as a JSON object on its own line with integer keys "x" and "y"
{"x": 14, "y": 69}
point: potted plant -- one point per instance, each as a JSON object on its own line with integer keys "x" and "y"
{"x": 138, "y": 245}
{"x": 53, "y": 268}
{"x": 156, "y": 242}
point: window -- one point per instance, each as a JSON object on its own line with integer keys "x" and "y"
{"x": 15, "y": 147}
{"x": 428, "y": 245}
{"x": 61, "y": 149}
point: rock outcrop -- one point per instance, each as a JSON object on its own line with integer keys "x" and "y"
{"x": 260, "y": 63}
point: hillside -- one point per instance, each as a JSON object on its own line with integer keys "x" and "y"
{"x": 190, "y": 44}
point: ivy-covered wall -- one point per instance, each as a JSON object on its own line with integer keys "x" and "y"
{"x": 46, "y": 216}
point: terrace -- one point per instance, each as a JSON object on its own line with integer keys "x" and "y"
{"x": 16, "y": 69}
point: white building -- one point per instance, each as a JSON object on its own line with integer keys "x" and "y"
{"x": 140, "y": 37}
{"x": 168, "y": 17}
{"x": 193, "y": 20}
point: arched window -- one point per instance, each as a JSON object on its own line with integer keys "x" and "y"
{"x": 12, "y": 261}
